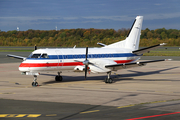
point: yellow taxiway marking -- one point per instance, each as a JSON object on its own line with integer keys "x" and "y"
{"x": 21, "y": 115}
{"x": 159, "y": 101}
{"x": 51, "y": 115}
{"x": 3, "y": 115}
{"x": 34, "y": 115}
{"x": 143, "y": 103}
{"x": 126, "y": 106}
{"x": 89, "y": 111}
{"x": 11, "y": 115}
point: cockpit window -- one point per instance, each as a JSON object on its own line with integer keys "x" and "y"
{"x": 35, "y": 56}
{"x": 44, "y": 55}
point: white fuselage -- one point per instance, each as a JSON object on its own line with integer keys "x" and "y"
{"x": 66, "y": 59}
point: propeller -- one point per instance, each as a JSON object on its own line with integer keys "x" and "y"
{"x": 86, "y": 63}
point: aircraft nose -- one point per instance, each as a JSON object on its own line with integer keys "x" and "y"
{"x": 24, "y": 67}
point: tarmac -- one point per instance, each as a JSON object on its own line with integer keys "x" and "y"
{"x": 145, "y": 92}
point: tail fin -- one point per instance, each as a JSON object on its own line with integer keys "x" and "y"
{"x": 133, "y": 37}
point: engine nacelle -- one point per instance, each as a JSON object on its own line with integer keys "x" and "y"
{"x": 99, "y": 65}
{"x": 79, "y": 69}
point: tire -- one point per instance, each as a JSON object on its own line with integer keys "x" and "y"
{"x": 110, "y": 80}
{"x": 36, "y": 84}
{"x": 106, "y": 80}
{"x": 60, "y": 78}
{"x": 57, "y": 78}
{"x": 32, "y": 83}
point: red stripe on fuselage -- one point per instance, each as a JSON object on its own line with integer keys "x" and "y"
{"x": 62, "y": 64}
{"x": 50, "y": 64}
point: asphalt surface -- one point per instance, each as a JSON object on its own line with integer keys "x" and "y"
{"x": 18, "y": 109}
{"x": 150, "y": 92}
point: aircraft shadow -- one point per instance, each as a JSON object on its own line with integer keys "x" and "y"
{"x": 75, "y": 78}
{"x": 121, "y": 77}
{"x": 137, "y": 73}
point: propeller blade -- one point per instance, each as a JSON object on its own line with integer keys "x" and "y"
{"x": 86, "y": 52}
{"x": 86, "y": 71}
{"x": 86, "y": 65}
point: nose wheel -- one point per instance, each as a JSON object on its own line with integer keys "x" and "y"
{"x": 34, "y": 83}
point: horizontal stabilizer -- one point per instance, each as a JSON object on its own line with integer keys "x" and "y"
{"x": 145, "y": 50}
{"x": 101, "y": 44}
{"x": 17, "y": 57}
{"x": 116, "y": 67}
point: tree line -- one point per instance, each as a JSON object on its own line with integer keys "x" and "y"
{"x": 84, "y": 37}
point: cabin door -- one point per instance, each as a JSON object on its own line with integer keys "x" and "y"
{"x": 60, "y": 58}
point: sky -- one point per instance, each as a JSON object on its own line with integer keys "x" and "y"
{"x": 98, "y": 14}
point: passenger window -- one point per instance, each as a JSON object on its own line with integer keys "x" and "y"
{"x": 44, "y": 56}
{"x": 36, "y": 56}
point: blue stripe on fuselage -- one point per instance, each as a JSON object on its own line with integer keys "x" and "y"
{"x": 83, "y": 56}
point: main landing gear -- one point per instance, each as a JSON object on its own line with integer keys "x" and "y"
{"x": 58, "y": 77}
{"x": 108, "y": 79}
{"x": 34, "y": 83}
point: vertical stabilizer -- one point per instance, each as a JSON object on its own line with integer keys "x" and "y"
{"x": 133, "y": 38}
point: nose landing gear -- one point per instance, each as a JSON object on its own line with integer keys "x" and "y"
{"x": 34, "y": 83}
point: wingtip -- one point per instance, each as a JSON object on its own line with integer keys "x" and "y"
{"x": 163, "y": 44}
{"x": 168, "y": 59}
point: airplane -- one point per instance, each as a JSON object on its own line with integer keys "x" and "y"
{"x": 105, "y": 59}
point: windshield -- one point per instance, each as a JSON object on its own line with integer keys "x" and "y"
{"x": 44, "y": 55}
{"x": 35, "y": 56}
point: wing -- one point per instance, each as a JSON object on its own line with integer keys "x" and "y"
{"x": 116, "y": 67}
{"x": 15, "y": 56}
{"x": 144, "y": 50}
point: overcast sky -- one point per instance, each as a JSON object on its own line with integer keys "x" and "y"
{"x": 101, "y": 14}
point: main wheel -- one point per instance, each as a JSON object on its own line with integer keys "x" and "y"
{"x": 106, "y": 80}
{"x": 34, "y": 84}
{"x": 110, "y": 80}
{"x": 58, "y": 78}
